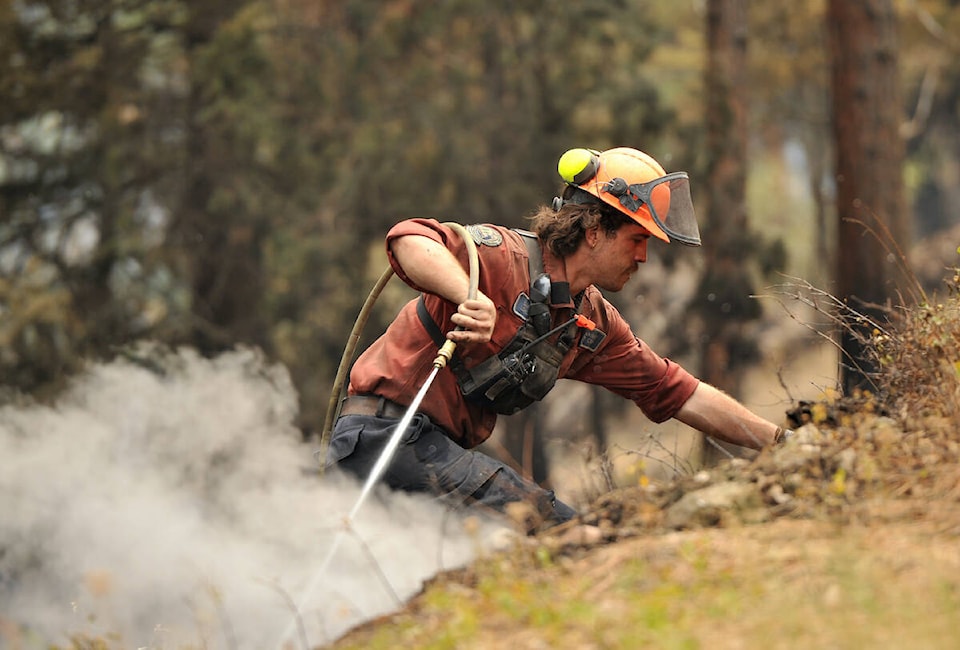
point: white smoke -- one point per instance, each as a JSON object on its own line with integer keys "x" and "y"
{"x": 175, "y": 504}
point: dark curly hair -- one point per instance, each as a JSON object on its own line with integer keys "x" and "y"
{"x": 562, "y": 230}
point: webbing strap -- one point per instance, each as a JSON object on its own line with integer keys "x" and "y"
{"x": 534, "y": 255}
{"x": 429, "y": 324}
{"x": 559, "y": 291}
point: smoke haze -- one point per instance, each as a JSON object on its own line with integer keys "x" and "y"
{"x": 173, "y": 502}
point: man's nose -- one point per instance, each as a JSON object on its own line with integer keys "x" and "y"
{"x": 641, "y": 253}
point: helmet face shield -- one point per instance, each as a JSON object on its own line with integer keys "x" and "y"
{"x": 668, "y": 201}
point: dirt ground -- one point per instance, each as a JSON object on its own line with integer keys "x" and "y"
{"x": 888, "y": 576}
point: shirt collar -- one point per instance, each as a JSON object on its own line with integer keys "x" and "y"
{"x": 556, "y": 268}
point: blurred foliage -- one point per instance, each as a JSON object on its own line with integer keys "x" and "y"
{"x": 216, "y": 173}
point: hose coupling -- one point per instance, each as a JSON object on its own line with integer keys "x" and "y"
{"x": 444, "y": 354}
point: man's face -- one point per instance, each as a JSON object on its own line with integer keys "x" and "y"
{"x": 615, "y": 258}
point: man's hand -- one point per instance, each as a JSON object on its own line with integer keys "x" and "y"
{"x": 782, "y": 436}
{"x": 475, "y": 320}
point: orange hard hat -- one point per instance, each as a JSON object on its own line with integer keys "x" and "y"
{"x": 635, "y": 184}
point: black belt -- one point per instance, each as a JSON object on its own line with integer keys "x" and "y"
{"x": 374, "y": 405}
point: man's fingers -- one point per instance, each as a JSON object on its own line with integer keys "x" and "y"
{"x": 467, "y": 336}
{"x": 471, "y": 322}
{"x": 475, "y": 320}
{"x": 474, "y": 328}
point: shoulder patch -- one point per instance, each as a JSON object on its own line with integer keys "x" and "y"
{"x": 485, "y": 235}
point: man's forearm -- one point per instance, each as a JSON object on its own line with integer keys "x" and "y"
{"x": 717, "y": 414}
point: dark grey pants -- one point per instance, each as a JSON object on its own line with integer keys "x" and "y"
{"x": 428, "y": 461}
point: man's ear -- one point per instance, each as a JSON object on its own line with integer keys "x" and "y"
{"x": 592, "y": 236}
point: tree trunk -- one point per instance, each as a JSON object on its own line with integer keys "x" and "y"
{"x": 219, "y": 232}
{"x": 873, "y": 221}
{"x": 724, "y": 295}
{"x": 725, "y": 289}
{"x": 523, "y": 440}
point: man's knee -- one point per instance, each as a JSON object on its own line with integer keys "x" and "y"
{"x": 454, "y": 472}
{"x": 528, "y": 504}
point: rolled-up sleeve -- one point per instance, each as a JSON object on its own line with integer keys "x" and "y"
{"x": 429, "y": 228}
{"x": 627, "y": 366}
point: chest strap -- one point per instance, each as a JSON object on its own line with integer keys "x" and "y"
{"x": 534, "y": 255}
{"x": 431, "y": 325}
{"x": 559, "y": 291}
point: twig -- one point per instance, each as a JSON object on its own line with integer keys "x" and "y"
{"x": 228, "y": 632}
{"x": 678, "y": 467}
{"x": 376, "y": 566}
{"x": 847, "y": 316}
{"x": 889, "y": 243}
{"x": 301, "y": 628}
{"x": 718, "y": 446}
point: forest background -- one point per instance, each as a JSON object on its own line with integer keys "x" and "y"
{"x": 214, "y": 174}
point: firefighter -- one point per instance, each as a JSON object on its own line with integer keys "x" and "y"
{"x": 538, "y": 316}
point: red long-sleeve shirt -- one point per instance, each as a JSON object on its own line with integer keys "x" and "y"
{"x": 396, "y": 364}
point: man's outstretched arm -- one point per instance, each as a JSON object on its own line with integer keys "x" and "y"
{"x": 716, "y": 414}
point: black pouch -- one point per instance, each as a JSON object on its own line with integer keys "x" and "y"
{"x": 511, "y": 381}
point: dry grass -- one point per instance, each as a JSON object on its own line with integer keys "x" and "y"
{"x": 787, "y": 584}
